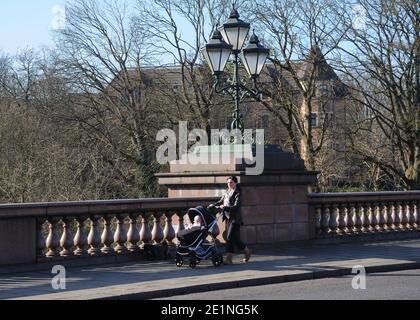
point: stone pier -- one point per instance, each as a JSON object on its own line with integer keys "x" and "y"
{"x": 275, "y": 203}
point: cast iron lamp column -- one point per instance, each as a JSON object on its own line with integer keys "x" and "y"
{"x": 225, "y": 41}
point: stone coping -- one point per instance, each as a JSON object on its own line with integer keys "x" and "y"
{"x": 233, "y": 173}
{"x": 350, "y": 197}
{"x": 76, "y": 208}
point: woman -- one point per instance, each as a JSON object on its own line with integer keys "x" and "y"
{"x": 230, "y": 204}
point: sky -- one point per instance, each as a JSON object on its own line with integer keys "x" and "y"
{"x": 28, "y": 23}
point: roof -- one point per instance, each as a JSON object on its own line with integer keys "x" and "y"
{"x": 323, "y": 72}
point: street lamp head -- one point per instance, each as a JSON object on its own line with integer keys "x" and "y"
{"x": 217, "y": 53}
{"x": 235, "y": 31}
{"x": 254, "y": 57}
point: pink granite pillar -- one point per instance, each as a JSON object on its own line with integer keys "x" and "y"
{"x": 274, "y": 204}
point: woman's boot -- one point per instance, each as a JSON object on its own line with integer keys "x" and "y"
{"x": 229, "y": 257}
{"x": 247, "y": 254}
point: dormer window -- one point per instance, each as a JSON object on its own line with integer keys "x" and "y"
{"x": 323, "y": 90}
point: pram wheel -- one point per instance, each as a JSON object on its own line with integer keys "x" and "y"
{"x": 194, "y": 261}
{"x": 179, "y": 261}
{"x": 217, "y": 259}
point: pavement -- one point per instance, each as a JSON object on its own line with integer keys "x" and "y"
{"x": 141, "y": 280}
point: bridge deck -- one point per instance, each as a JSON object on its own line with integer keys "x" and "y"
{"x": 144, "y": 280}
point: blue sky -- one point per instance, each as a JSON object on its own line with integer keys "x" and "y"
{"x": 26, "y": 23}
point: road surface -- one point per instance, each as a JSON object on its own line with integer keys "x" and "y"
{"x": 399, "y": 285}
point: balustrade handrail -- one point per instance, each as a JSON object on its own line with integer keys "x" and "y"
{"x": 75, "y": 208}
{"x": 348, "y": 197}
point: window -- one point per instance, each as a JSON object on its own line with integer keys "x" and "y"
{"x": 329, "y": 118}
{"x": 314, "y": 120}
{"x": 326, "y": 119}
{"x": 323, "y": 90}
{"x": 265, "y": 122}
{"x": 333, "y": 145}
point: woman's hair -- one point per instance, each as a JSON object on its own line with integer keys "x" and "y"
{"x": 235, "y": 179}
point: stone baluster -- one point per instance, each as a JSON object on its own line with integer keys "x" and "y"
{"x": 405, "y": 211}
{"x": 325, "y": 219}
{"x": 396, "y": 216}
{"x": 120, "y": 236}
{"x": 342, "y": 219}
{"x": 318, "y": 218}
{"x": 373, "y": 222}
{"x": 66, "y": 241}
{"x": 333, "y": 219}
{"x": 351, "y": 212}
{"x": 157, "y": 232}
{"x": 168, "y": 232}
{"x": 145, "y": 234}
{"x": 411, "y": 218}
{"x": 391, "y": 216}
{"x": 358, "y": 220}
{"x": 180, "y": 215}
{"x": 40, "y": 240}
{"x": 388, "y": 216}
{"x": 94, "y": 237}
{"x": 53, "y": 240}
{"x": 380, "y": 214}
{"x": 133, "y": 236}
{"x": 107, "y": 237}
{"x": 364, "y": 208}
{"x": 80, "y": 240}
{"x": 416, "y": 215}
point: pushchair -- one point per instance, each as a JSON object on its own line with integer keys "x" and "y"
{"x": 193, "y": 244}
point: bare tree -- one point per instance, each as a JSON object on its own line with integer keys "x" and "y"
{"x": 102, "y": 55}
{"x": 40, "y": 160}
{"x": 302, "y": 34}
{"x": 381, "y": 56}
{"x": 178, "y": 30}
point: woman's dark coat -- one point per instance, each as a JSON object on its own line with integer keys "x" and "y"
{"x": 233, "y": 212}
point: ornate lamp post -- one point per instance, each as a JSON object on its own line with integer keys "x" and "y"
{"x": 227, "y": 40}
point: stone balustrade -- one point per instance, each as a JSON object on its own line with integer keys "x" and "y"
{"x": 35, "y": 233}
{"x": 350, "y": 214}
{"x": 32, "y": 233}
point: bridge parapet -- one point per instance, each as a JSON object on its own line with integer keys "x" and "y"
{"x": 73, "y": 231}
{"x": 48, "y": 232}
{"x": 352, "y": 214}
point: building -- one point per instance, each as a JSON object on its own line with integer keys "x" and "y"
{"x": 322, "y": 115}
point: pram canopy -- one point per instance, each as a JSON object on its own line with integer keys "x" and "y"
{"x": 207, "y": 218}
